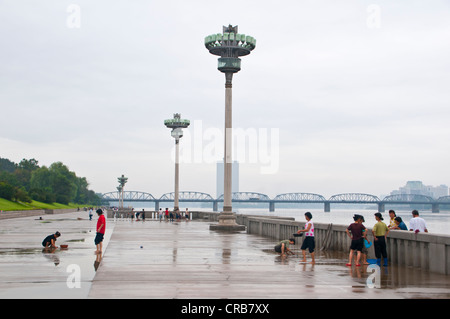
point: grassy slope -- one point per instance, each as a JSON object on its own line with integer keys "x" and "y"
{"x": 6, "y": 205}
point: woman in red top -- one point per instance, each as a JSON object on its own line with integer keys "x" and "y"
{"x": 101, "y": 225}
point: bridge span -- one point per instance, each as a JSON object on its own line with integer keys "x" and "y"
{"x": 252, "y": 197}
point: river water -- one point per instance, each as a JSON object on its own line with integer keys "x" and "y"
{"x": 437, "y": 223}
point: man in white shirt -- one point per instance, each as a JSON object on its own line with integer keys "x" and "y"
{"x": 417, "y": 224}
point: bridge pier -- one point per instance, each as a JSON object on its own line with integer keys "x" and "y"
{"x": 327, "y": 207}
{"x": 435, "y": 208}
{"x": 271, "y": 206}
{"x": 156, "y": 206}
{"x": 381, "y": 207}
{"x": 215, "y": 206}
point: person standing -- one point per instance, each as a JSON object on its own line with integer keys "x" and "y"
{"x": 167, "y": 214}
{"x": 308, "y": 242}
{"x": 356, "y": 232}
{"x": 392, "y": 216}
{"x": 101, "y": 225}
{"x": 380, "y": 232}
{"x": 366, "y": 246}
{"x": 417, "y": 224}
{"x": 171, "y": 215}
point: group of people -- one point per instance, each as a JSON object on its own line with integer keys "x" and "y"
{"x": 172, "y": 215}
{"x": 357, "y": 232}
{"x": 50, "y": 240}
{"x": 308, "y": 243}
{"x": 360, "y": 242}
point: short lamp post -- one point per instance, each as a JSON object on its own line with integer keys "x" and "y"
{"x": 229, "y": 45}
{"x": 177, "y": 124}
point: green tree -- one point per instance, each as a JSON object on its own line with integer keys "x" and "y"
{"x": 64, "y": 183}
{"x": 6, "y": 165}
{"x": 6, "y": 191}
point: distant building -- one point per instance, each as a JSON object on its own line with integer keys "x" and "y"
{"x": 418, "y": 188}
{"x": 234, "y": 178}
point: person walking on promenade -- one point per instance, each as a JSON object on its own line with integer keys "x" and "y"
{"x": 283, "y": 247}
{"x": 308, "y": 242}
{"x": 167, "y": 214}
{"x": 392, "y": 216}
{"x": 160, "y": 214}
{"x": 417, "y": 224}
{"x": 356, "y": 232}
{"x": 101, "y": 225}
{"x": 50, "y": 240}
{"x": 380, "y": 232}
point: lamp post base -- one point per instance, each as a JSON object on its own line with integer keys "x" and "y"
{"x": 227, "y": 222}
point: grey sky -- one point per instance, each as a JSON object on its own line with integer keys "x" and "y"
{"x": 359, "y": 108}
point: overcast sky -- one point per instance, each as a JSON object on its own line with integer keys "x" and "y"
{"x": 344, "y": 96}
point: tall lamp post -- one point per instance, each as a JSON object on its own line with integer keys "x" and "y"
{"x": 122, "y": 181}
{"x": 119, "y": 189}
{"x": 229, "y": 45}
{"x": 177, "y": 124}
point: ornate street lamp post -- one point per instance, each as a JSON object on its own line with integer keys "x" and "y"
{"x": 119, "y": 189}
{"x": 229, "y": 45}
{"x": 177, "y": 124}
{"x": 122, "y": 181}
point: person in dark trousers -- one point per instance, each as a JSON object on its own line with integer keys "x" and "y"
{"x": 50, "y": 240}
{"x": 380, "y": 232}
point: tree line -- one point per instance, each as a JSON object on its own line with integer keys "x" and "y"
{"x": 28, "y": 181}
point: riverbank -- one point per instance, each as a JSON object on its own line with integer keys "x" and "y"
{"x": 34, "y": 209}
{"x": 9, "y": 206}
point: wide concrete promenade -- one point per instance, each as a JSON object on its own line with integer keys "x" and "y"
{"x": 185, "y": 260}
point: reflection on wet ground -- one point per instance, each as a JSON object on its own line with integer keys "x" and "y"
{"x": 155, "y": 259}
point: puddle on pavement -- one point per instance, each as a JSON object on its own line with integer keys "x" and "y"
{"x": 20, "y": 251}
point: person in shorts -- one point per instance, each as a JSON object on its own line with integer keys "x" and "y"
{"x": 101, "y": 225}
{"x": 356, "y": 232}
{"x": 50, "y": 240}
{"x": 308, "y": 242}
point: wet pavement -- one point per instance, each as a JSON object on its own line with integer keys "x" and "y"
{"x": 29, "y": 271}
{"x": 185, "y": 260}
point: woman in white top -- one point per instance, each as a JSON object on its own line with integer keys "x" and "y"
{"x": 308, "y": 242}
